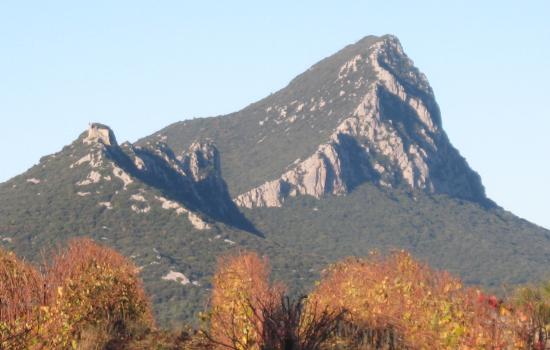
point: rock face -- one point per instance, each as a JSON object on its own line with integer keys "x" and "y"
{"x": 393, "y": 137}
{"x": 192, "y": 180}
{"x": 100, "y": 133}
{"x": 202, "y": 161}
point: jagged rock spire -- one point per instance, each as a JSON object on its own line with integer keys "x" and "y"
{"x": 202, "y": 160}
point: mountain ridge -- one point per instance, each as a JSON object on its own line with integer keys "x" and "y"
{"x": 352, "y": 156}
{"x": 347, "y": 101}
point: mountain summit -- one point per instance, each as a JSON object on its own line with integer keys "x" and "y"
{"x": 392, "y": 136}
{"x": 350, "y": 157}
{"x": 363, "y": 114}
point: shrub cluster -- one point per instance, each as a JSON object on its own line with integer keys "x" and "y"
{"x": 392, "y": 302}
{"x": 428, "y": 308}
{"x": 88, "y": 297}
{"x": 247, "y": 312}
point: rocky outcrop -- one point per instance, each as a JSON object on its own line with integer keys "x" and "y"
{"x": 201, "y": 164}
{"x": 202, "y": 161}
{"x": 100, "y": 133}
{"x": 192, "y": 180}
{"x": 393, "y": 137}
{"x": 194, "y": 219}
{"x": 328, "y": 171}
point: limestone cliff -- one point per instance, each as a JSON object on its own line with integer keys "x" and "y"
{"x": 393, "y": 137}
{"x": 192, "y": 181}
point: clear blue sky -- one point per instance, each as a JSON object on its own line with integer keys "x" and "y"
{"x": 140, "y": 65}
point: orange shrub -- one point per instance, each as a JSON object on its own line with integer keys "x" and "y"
{"x": 430, "y": 309}
{"x": 20, "y": 297}
{"x": 93, "y": 292}
{"x": 90, "y": 295}
{"x": 241, "y": 290}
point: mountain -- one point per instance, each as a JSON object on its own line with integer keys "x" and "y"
{"x": 350, "y": 157}
{"x": 364, "y": 114}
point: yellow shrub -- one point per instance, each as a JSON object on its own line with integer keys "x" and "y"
{"x": 93, "y": 291}
{"x": 430, "y": 309}
{"x": 241, "y": 288}
{"x": 89, "y": 296}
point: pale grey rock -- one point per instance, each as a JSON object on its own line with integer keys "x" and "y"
{"x": 393, "y": 137}
{"x": 176, "y": 276}
{"x": 122, "y": 175}
{"x": 92, "y": 178}
{"x": 95, "y": 160}
{"x": 34, "y": 181}
{"x": 194, "y": 219}
{"x": 138, "y": 198}
{"x": 99, "y": 133}
{"x": 201, "y": 161}
{"x": 139, "y": 210}
{"x": 107, "y": 205}
{"x": 197, "y": 221}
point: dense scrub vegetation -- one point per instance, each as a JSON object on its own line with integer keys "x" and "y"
{"x": 87, "y": 297}
{"x": 392, "y": 302}
{"x": 488, "y": 248}
{"x": 90, "y": 297}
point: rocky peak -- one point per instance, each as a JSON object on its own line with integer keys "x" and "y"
{"x": 100, "y": 133}
{"x": 190, "y": 184}
{"x": 389, "y": 133}
{"x": 202, "y": 160}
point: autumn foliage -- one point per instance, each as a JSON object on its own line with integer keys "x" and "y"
{"x": 429, "y": 309}
{"x": 89, "y": 295}
{"x": 533, "y": 314}
{"x": 20, "y": 294}
{"x": 240, "y": 289}
{"x": 393, "y": 302}
{"x": 248, "y": 313}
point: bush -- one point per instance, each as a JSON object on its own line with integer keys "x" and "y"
{"x": 533, "y": 312}
{"x": 240, "y": 288}
{"x": 89, "y": 298}
{"x": 94, "y": 297}
{"x": 21, "y": 294}
{"x": 248, "y": 313}
{"x": 429, "y": 309}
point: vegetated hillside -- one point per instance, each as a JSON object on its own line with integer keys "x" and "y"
{"x": 362, "y": 133}
{"x": 488, "y": 247}
{"x": 167, "y": 217}
{"x": 350, "y": 157}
